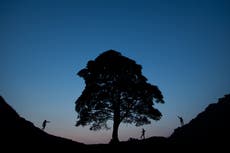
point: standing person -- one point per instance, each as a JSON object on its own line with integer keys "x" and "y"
{"x": 44, "y": 124}
{"x": 143, "y": 134}
{"x": 181, "y": 120}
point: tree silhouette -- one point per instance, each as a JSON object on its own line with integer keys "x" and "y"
{"x": 116, "y": 90}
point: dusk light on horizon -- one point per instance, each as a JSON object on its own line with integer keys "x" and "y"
{"x": 182, "y": 46}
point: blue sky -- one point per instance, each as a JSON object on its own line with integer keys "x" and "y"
{"x": 183, "y": 47}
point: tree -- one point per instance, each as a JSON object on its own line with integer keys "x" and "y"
{"x": 116, "y": 90}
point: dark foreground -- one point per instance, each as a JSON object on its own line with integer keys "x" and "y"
{"x": 208, "y": 131}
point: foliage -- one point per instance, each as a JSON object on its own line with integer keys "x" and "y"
{"x": 116, "y": 90}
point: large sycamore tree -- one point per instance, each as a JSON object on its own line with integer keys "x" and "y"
{"x": 116, "y": 90}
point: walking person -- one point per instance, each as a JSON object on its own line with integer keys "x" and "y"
{"x": 143, "y": 134}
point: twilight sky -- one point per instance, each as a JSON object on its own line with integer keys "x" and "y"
{"x": 182, "y": 45}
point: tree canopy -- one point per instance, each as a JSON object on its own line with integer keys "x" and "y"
{"x": 116, "y": 90}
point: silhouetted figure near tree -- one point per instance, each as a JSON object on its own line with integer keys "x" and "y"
{"x": 143, "y": 134}
{"x": 181, "y": 120}
{"x": 44, "y": 124}
{"x": 116, "y": 90}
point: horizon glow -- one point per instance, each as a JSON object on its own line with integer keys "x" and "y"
{"x": 183, "y": 47}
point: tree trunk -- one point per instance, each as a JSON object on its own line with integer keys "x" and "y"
{"x": 116, "y": 122}
{"x": 115, "y": 132}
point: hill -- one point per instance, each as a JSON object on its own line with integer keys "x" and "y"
{"x": 19, "y": 133}
{"x": 209, "y": 127}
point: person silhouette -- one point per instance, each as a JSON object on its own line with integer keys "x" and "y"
{"x": 44, "y": 124}
{"x": 143, "y": 134}
{"x": 181, "y": 120}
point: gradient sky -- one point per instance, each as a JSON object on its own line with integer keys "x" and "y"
{"x": 183, "y": 46}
